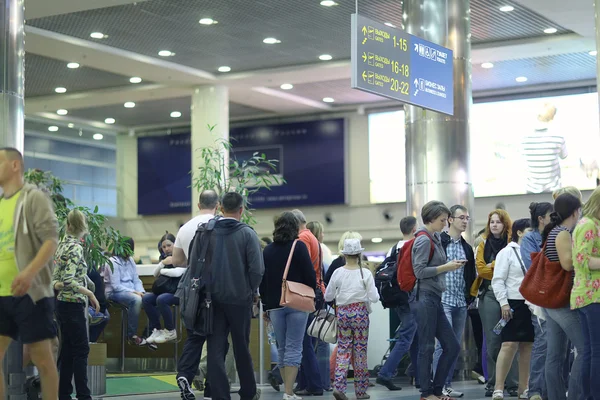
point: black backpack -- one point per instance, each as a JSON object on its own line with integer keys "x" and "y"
{"x": 386, "y": 281}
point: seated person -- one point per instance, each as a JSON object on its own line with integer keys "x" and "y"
{"x": 123, "y": 285}
{"x": 161, "y": 299}
{"x": 98, "y": 321}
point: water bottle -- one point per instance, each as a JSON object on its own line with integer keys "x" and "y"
{"x": 271, "y": 334}
{"x": 501, "y": 324}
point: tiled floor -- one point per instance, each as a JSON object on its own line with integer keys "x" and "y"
{"x": 472, "y": 391}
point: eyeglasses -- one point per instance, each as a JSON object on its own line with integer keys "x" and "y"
{"x": 464, "y": 218}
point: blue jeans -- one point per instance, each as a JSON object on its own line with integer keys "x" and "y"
{"x": 590, "y": 354}
{"x": 289, "y": 326}
{"x": 457, "y": 317}
{"x": 431, "y": 324}
{"x": 537, "y": 370}
{"x": 133, "y": 302}
{"x": 323, "y": 354}
{"x": 309, "y": 377}
{"x": 155, "y": 306}
{"x": 562, "y": 325}
{"x": 405, "y": 335}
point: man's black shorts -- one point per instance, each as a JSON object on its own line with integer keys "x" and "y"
{"x": 21, "y": 318}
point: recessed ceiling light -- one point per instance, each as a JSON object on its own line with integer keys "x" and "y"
{"x": 208, "y": 21}
{"x": 135, "y": 79}
{"x": 328, "y": 100}
{"x": 98, "y": 136}
{"x": 71, "y": 126}
{"x": 62, "y": 111}
{"x": 287, "y": 86}
{"x": 593, "y": 53}
{"x": 166, "y": 53}
{"x": 390, "y": 24}
{"x": 60, "y": 90}
{"x": 328, "y": 3}
{"x": 487, "y": 65}
{"x": 97, "y": 35}
{"x": 224, "y": 68}
{"x": 507, "y": 8}
{"x": 73, "y": 65}
{"x": 550, "y": 31}
{"x": 129, "y": 104}
{"x": 271, "y": 40}
{"x": 521, "y": 79}
{"x": 377, "y": 240}
{"x": 109, "y": 121}
{"x": 325, "y": 57}
{"x": 175, "y": 114}
{"x": 53, "y": 128}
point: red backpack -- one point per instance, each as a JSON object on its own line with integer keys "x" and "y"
{"x": 406, "y": 274}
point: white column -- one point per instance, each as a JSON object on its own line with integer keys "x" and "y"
{"x": 210, "y": 107}
{"x": 597, "y": 24}
{"x": 127, "y": 176}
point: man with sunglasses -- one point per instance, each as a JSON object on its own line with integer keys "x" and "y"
{"x": 456, "y": 298}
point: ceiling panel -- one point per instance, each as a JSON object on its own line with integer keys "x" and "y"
{"x": 339, "y": 90}
{"x": 551, "y": 69}
{"x": 43, "y": 75}
{"x": 155, "y": 112}
{"x": 81, "y": 135}
{"x": 306, "y": 29}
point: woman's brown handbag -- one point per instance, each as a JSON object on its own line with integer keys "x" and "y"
{"x": 296, "y": 295}
{"x": 546, "y": 283}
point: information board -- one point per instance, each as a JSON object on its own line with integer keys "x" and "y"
{"x": 392, "y": 63}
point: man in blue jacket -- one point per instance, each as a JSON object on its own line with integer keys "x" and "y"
{"x": 236, "y": 272}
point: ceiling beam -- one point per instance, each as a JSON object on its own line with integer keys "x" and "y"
{"x": 46, "y": 8}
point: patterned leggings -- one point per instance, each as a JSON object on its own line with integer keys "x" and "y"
{"x": 353, "y": 335}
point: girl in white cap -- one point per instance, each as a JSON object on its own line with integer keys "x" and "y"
{"x": 353, "y": 289}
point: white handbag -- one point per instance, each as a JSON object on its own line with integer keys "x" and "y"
{"x": 324, "y": 327}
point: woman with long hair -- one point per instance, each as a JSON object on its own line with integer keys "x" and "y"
{"x": 70, "y": 280}
{"x": 518, "y": 333}
{"x": 289, "y": 324}
{"x": 496, "y": 237}
{"x": 353, "y": 289}
{"x": 585, "y": 296}
{"x": 159, "y": 302}
{"x": 563, "y": 324}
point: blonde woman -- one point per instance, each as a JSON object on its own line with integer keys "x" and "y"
{"x": 585, "y": 296}
{"x": 70, "y": 280}
{"x": 572, "y": 190}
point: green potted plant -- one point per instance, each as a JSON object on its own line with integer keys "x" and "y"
{"x": 219, "y": 170}
{"x": 101, "y": 236}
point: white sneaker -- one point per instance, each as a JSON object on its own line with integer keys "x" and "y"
{"x": 524, "y": 395}
{"x": 292, "y": 397}
{"x": 155, "y": 333}
{"x": 448, "y": 391}
{"x": 166, "y": 336}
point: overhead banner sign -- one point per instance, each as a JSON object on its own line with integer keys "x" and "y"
{"x": 392, "y": 63}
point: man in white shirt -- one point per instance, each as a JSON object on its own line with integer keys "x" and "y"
{"x": 209, "y": 202}
{"x": 187, "y": 366}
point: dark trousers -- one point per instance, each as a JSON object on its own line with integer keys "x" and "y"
{"x": 309, "y": 377}
{"x": 234, "y": 319}
{"x": 188, "y": 363}
{"x": 432, "y": 324}
{"x": 73, "y": 358}
{"x": 96, "y": 331}
{"x": 478, "y": 335}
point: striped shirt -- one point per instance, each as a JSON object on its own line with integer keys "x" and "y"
{"x": 542, "y": 151}
{"x": 551, "y": 251}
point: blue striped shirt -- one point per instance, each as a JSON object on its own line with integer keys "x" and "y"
{"x": 454, "y": 295}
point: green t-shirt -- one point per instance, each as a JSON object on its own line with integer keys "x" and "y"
{"x": 586, "y": 244}
{"x": 8, "y": 262}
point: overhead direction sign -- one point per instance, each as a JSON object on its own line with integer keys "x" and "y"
{"x": 392, "y": 63}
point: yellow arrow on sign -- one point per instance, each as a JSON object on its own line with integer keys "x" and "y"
{"x": 364, "y": 57}
{"x": 364, "y": 75}
{"x": 364, "y": 30}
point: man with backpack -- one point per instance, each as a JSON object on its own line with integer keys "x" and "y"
{"x": 393, "y": 297}
{"x": 456, "y": 297}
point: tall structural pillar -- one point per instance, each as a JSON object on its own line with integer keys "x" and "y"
{"x": 12, "y": 77}
{"x": 438, "y": 145}
{"x": 597, "y": 21}
{"x": 210, "y": 108}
